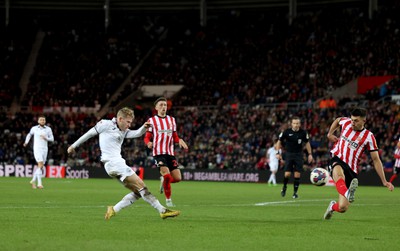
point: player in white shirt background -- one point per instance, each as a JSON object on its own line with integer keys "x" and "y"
{"x": 273, "y": 162}
{"x": 41, "y": 134}
{"x": 111, "y": 136}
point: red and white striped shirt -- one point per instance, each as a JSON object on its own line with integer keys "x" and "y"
{"x": 352, "y": 144}
{"x": 397, "y": 157}
{"x": 163, "y": 129}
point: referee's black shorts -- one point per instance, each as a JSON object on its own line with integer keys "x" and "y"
{"x": 294, "y": 162}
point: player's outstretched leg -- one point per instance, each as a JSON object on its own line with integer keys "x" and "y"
{"x": 168, "y": 213}
{"x": 110, "y": 213}
{"x": 329, "y": 211}
{"x": 169, "y": 203}
{"x": 352, "y": 190}
{"x": 161, "y": 184}
{"x": 283, "y": 191}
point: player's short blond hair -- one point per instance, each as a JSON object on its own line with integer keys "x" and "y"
{"x": 125, "y": 112}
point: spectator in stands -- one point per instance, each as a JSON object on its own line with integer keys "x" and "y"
{"x": 331, "y": 103}
{"x": 323, "y": 104}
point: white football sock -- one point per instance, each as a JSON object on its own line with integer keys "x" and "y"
{"x": 151, "y": 199}
{"x": 38, "y": 175}
{"x": 273, "y": 178}
{"x": 128, "y": 200}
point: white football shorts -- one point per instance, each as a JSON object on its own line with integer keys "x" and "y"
{"x": 273, "y": 166}
{"x": 40, "y": 155}
{"x": 117, "y": 168}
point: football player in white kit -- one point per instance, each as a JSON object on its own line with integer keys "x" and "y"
{"x": 111, "y": 136}
{"x": 273, "y": 162}
{"x": 42, "y": 134}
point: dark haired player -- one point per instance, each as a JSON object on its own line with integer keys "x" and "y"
{"x": 354, "y": 139}
{"x": 160, "y": 137}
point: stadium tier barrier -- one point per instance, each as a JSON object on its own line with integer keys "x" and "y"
{"x": 369, "y": 178}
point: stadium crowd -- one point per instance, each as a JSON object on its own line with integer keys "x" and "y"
{"x": 240, "y": 73}
{"x": 82, "y": 65}
{"x": 15, "y": 46}
{"x": 226, "y": 138}
{"x": 245, "y": 57}
{"x": 258, "y": 59}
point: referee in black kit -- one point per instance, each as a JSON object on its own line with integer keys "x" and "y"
{"x": 293, "y": 139}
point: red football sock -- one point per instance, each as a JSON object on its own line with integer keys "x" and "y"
{"x": 394, "y": 176}
{"x": 341, "y": 186}
{"x": 335, "y": 207}
{"x": 167, "y": 185}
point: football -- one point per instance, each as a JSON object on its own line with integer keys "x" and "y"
{"x": 319, "y": 176}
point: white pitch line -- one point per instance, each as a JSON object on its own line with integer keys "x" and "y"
{"x": 284, "y": 202}
{"x": 267, "y": 203}
{"x": 47, "y": 207}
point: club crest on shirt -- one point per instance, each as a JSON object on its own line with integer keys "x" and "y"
{"x": 299, "y": 141}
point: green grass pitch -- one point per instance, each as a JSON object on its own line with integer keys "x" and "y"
{"x": 68, "y": 215}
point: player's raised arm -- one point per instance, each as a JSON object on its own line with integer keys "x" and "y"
{"x": 89, "y": 134}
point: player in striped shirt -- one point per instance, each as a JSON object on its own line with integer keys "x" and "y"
{"x": 161, "y": 137}
{"x": 354, "y": 139}
{"x": 41, "y": 134}
{"x": 396, "y": 168}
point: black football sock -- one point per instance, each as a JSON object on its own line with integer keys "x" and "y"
{"x": 285, "y": 181}
{"x": 296, "y": 184}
